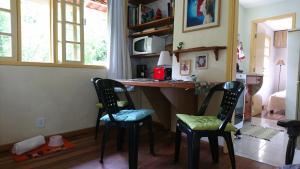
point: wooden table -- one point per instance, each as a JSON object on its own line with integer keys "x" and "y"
{"x": 165, "y": 96}
{"x": 160, "y": 84}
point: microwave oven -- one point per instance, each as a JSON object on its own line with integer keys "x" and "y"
{"x": 148, "y": 45}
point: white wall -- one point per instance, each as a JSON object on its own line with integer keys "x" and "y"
{"x": 64, "y": 96}
{"x": 250, "y": 14}
{"x": 207, "y": 37}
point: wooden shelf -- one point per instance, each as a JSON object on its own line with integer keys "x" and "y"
{"x": 156, "y": 23}
{"x": 158, "y": 32}
{"x": 213, "y": 48}
{"x": 152, "y": 55}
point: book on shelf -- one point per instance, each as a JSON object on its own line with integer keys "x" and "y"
{"x": 139, "y": 14}
{"x": 146, "y": 14}
{"x": 132, "y": 16}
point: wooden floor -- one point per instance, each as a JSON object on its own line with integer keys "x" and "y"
{"x": 87, "y": 152}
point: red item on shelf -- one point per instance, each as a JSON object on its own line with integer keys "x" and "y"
{"x": 158, "y": 14}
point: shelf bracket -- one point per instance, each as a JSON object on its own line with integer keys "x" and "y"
{"x": 216, "y": 51}
{"x": 177, "y": 56}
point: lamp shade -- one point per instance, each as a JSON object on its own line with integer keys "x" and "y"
{"x": 164, "y": 59}
{"x": 280, "y": 62}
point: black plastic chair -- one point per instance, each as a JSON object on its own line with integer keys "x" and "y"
{"x": 208, "y": 126}
{"x": 100, "y": 108}
{"x": 130, "y": 118}
{"x": 293, "y": 130}
{"x": 121, "y": 104}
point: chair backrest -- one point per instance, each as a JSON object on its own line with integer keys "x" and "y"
{"x": 109, "y": 97}
{"x": 231, "y": 93}
{"x": 94, "y": 80}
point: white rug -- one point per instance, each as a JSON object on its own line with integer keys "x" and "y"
{"x": 258, "y": 131}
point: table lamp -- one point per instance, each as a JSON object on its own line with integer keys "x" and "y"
{"x": 164, "y": 59}
{"x": 163, "y": 71}
{"x": 279, "y": 62}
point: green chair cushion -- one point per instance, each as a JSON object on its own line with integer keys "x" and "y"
{"x": 129, "y": 115}
{"x": 202, "y": 123}
{"x": 120, "y": 104}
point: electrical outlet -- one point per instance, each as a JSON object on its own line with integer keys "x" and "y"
{"x": 40, "y": 122}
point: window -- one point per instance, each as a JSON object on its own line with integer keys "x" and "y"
{"x": 35, "y": 31}
{"x": 7, "y": 34}
{"x": 95, "y": 31}
{"x": 53, "y": 31}
{"x": 69, "y": 25}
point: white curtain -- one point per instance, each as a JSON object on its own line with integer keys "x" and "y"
{"x": 119, "y": 62}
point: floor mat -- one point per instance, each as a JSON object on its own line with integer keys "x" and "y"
{"x": 259, "y": 132}
{"x": 42, "y": 150}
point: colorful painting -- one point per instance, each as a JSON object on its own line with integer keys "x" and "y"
{"x": 201, "y": 14}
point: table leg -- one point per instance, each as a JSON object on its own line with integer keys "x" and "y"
{"x": 160, "y": 104}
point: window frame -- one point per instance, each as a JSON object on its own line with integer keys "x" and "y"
{"x": 64, "y": 22}
{"x": 14, "y": 30}
{"x": 16, "y": 58}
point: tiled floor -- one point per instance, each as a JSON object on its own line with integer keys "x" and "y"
{"x": 278, "y": 115}
{"x": 270, "y": 152}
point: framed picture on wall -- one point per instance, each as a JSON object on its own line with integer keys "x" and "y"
{"x": 200, "y": 14}
{"x": 185, "y": 67}
{"x": 201, "y": 62}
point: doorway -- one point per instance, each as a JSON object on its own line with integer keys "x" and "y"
{"x": 268, "y": 58}
{"x": 262, "y": 50}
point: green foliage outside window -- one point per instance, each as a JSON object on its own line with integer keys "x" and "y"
{"x": 5, "y": 41}
{"x": 95, "y": 50}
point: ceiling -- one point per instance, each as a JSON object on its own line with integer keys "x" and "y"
{"x": 255, "y": 3}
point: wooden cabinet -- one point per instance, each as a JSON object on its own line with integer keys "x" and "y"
{"x": 280, "y": 39}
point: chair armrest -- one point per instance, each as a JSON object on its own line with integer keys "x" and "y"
{"x": 288, "y": 123}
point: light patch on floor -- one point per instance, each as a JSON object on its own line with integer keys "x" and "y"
{"x": 270, "y": 152}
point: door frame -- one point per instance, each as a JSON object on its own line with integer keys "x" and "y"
{"x": 254, "y": 24}
{"x": 232, "y": 36}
